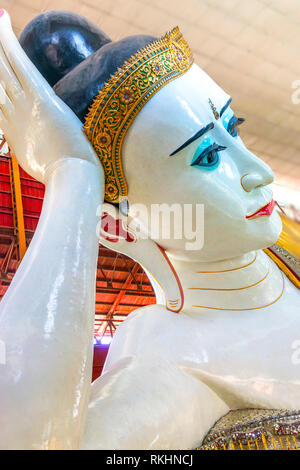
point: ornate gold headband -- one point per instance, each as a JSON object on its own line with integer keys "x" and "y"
{"x": 124, "y": 95}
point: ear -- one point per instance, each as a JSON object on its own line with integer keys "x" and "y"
{"x": 115, "y": 234}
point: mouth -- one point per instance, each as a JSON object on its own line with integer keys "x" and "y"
{"x": 265, "y": 210}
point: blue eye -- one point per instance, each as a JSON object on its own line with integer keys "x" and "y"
{"x": 231, "y": 123}
{"x": 207, "y": 155}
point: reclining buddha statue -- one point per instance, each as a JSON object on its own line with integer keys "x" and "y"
{"x": 216, "y": 362}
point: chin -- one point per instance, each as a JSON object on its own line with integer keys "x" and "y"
{"x": 258, "y": 234}
{"x": 261, "y": 233}
{"x": 266, "y": 231}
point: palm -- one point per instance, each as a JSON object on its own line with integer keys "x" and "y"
{"x": 38, "y": 126}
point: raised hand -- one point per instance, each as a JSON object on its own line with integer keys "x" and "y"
{"x": 54, "y": 286}
{"x": 39, "y": 128}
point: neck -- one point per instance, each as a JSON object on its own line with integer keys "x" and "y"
{"x": 249, "y": 282}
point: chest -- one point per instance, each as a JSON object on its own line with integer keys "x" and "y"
{"x": 246, "y": 343}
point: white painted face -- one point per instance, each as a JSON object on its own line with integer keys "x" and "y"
{"x": 231, "y": 183}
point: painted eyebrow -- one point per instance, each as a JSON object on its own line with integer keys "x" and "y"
{"x": 225, "y": 107}
{"x": 194, "y": 137}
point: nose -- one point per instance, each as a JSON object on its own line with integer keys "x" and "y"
{"x": 254, "y": 172}
{"x": 250, "y": 181}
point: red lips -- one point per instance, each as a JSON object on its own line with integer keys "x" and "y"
{"x": 266, "y": 210}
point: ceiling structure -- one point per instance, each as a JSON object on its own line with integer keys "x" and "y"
{"x": 251, "y": 48}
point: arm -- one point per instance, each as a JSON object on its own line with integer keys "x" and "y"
{"x": 46, "y": 316}
{"x": 149, "y": 403}
{"x": 145, "y": 399}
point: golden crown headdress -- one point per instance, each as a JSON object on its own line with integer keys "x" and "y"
{"x": 124, "y": 95}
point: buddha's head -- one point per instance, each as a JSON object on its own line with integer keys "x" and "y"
{"x": 175, "y": 141}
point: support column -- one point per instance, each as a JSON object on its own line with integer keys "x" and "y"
{"x": 19, "y": 226}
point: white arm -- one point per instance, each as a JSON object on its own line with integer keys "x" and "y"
{"x": 149, "y": 403}
{"x": 145, "y": 400}
{"x": 46, "y": 316}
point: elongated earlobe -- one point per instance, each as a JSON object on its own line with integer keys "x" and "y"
{"x": 114, "y": 230}
{"x": 117, "y": 236}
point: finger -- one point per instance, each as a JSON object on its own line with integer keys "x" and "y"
{"x": 27, "y": 74}
{"x": 6, "y": 105}
{"x": 8, "y": 79}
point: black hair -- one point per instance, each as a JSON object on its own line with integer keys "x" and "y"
{"x": 75, "y": 56}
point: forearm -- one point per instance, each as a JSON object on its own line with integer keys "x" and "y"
{"x": 46, "y": 317}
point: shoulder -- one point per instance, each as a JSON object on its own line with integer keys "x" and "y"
{"x": 152, "y": 312}
{"x": 144, "y": 331}
{"x": 146, "y": 321}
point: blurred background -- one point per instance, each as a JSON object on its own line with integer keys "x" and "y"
{"x": 251, "y": 48}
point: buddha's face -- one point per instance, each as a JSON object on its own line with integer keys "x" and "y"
{"x": 177, "y": 151}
